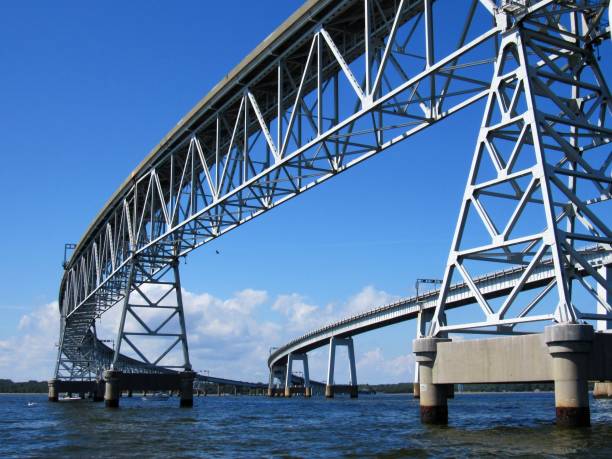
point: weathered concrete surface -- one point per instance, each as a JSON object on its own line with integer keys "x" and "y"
{"x": 53, "y": 392}
{"x": 186, "y": 388}
{"x": 570, "y": 346}
{"x": 112, "y": 391}
{"x": 433, "y": 397}
{"x": 512, "y": 359}
{"x": 332, "y": 390}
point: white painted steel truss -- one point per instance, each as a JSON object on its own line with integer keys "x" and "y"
{"x": 540, "y": 182}
{"x": 343, "y": 82}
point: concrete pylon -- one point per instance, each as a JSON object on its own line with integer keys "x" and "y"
{"x": 570, "y": 346}
{"x": 333, "y": 343}
{"x": 289, "y": 375}
{"x": 186, "y": 388}
{"x": 98, "y": 393}
{"x": 602, "y": 389}
{"x": 53, "y": 392}
{"x": 433, "y": 397}
{"x": 112, "y": 391}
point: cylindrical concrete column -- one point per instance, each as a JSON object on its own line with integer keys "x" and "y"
{"x": 308, "y": 391}
{"x": 600, "y": 390}
{"x": 432, "y": 399}
{"x": 354, "y": 391}
{"x": 329, "y": 391}
{"x": 570, "y": 347}
{"x": 53, "y": 392}
{"x": 112, "y": 390}
{"x": 416, "y": 390}
{"x": 186, "y": 388}
{"x": 287, "y": 391}
{"x": 98, "y": 394}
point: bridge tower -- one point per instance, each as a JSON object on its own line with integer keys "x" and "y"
{"x": 538, "y": 188}
{"x": 152, "y": 326}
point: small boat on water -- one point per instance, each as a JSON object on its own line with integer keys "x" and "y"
{"x": 156, "y": 397}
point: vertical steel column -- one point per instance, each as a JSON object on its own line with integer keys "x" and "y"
{"x": 125, "y": 306}
{"x": 604, "y": 294}
{"x": 429, "y": 56}
{"x": 181, "y": 314}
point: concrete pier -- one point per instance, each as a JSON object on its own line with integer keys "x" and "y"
{"x": 602, "y": 389}
{"x": 112, "y": 391}
{"x": 331, "y": 389}
{"x": 433, "y": 397}
{"x": 570, "y": 346}
{"x": 53, "y": 390}
{"x": 186, "y": 389}
{"x": 98, "y": 392}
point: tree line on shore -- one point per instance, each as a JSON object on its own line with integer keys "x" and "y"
{"x": 8, "y": 386}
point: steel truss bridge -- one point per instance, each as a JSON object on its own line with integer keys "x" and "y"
{"x": 339, "y": 82}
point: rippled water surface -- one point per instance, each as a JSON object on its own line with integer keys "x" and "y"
{"x": 372, "y": 426}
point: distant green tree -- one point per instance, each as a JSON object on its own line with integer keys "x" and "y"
{"x": 7, "y": 386}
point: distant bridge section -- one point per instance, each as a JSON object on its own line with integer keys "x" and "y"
{"x": 493, "y": 285}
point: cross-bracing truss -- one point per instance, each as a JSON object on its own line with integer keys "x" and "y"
{"x": 350, "y": 80}
{"x": 540, "y": 182}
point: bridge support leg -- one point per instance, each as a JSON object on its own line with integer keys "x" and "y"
{"x": 53, "y": 392}
{"x": 602, "y": 389}
{"x": 289, "y": 375}
{"x": 329, "y": 387}
{"x": 570, "y": 345}
{"x": 112, "y": 390}
{"x": 186, "y": 390}
{"x": 271, "y": 383}
{"x": 432, "y": 401}
{"x": 98, "y": 394}
{"x": 307, "y": 387}
{"x": 604, "y": 292}
{"x": 354, "y": 389}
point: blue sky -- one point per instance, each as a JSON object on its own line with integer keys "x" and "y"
{"x": 87, "y": 90}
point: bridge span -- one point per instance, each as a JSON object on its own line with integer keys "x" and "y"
{"x": 421, "y": 308}
{"x": 339, "y": 82}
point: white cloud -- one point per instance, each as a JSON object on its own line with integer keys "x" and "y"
{"x": 31, "y": 353}
{"x": 396, "y": 369}
{"x": 230, "y": 337}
